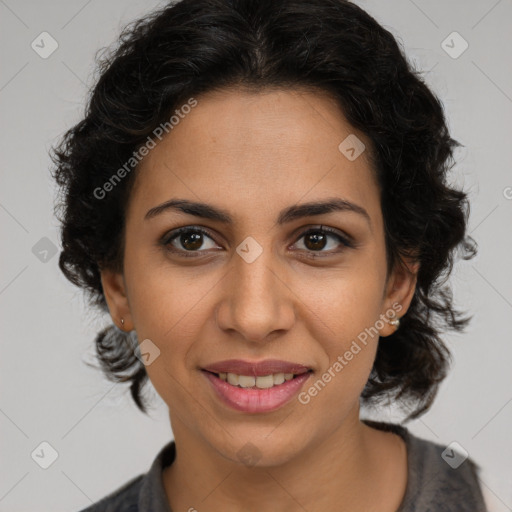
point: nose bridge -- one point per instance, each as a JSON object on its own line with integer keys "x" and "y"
{"x": 257, "y": 302}
{"x": 255, "y": 278}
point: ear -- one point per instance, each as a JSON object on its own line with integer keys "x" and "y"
{"x": 399, "y": 293}
{"x": 114, "y": 289}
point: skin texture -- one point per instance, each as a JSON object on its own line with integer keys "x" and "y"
{"x": 254, "y": 154}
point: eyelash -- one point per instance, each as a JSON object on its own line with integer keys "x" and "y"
{"x": 171, "y": 236}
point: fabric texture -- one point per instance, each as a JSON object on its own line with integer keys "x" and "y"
{"x": 432, "y": 484}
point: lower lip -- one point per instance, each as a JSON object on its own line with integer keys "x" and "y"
{"x": 256, "y": 400}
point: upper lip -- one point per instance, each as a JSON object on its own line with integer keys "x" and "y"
{"x": 256, "y": 369}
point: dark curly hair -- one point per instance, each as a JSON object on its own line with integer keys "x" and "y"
{"x": 332, "y": 46}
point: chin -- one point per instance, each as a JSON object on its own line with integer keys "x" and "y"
{"x": 260, "y": 451}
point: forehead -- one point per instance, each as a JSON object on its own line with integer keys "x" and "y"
{"x": 258, "y": 149}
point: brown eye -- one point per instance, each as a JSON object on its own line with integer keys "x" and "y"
{"x": 191, "y": 240}
{"x": 188, "y": 240}
{"x": 317, "y": 239}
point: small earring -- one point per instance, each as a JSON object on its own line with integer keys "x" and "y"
{"x": 395, "y": 322}
{"x": 122, "y": 322}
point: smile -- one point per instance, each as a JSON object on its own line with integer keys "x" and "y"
{"x": 251, "y": 394}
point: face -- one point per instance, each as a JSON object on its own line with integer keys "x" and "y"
{"x": 262, "y": 280}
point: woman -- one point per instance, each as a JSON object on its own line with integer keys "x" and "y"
{"x": 258, "y": 196}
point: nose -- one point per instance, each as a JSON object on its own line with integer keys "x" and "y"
{"x": 257, "y": 302}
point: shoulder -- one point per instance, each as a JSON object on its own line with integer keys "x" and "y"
{"x": 441, "y": 478}
{"x": 125, "y": 498}
{"x": 446, "y": 478}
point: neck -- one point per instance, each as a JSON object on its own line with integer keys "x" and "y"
{"x": 344, "y": 471}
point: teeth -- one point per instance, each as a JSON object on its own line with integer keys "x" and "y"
{"x": 279, "y": 378}
{"x": 232, "y": 379}
{"x": 262, "y": 382}
{"x": 245, "y": 381}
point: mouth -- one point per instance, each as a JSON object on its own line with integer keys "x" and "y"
{"x": 256, "y": 387}
{"x": 256, "y": 382}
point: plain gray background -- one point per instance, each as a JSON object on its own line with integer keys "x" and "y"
{"x": 102, "y": 440}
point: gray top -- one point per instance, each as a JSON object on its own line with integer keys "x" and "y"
{"x": 433, "y": 485}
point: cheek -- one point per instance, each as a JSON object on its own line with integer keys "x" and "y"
{"x": 344, "y": 311}
{"x": 345, "y": 301}
{"x": 168, "y": 309}
{"x": 161, "y": 294}
{"x": 170, "y": 315}
{"x": 348, "y": 342}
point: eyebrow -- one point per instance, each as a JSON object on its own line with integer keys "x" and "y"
{"x": 289, "y": 214}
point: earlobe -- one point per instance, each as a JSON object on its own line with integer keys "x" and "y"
{"x": 399, "y": 293}
{"x": 114, "y": 289}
